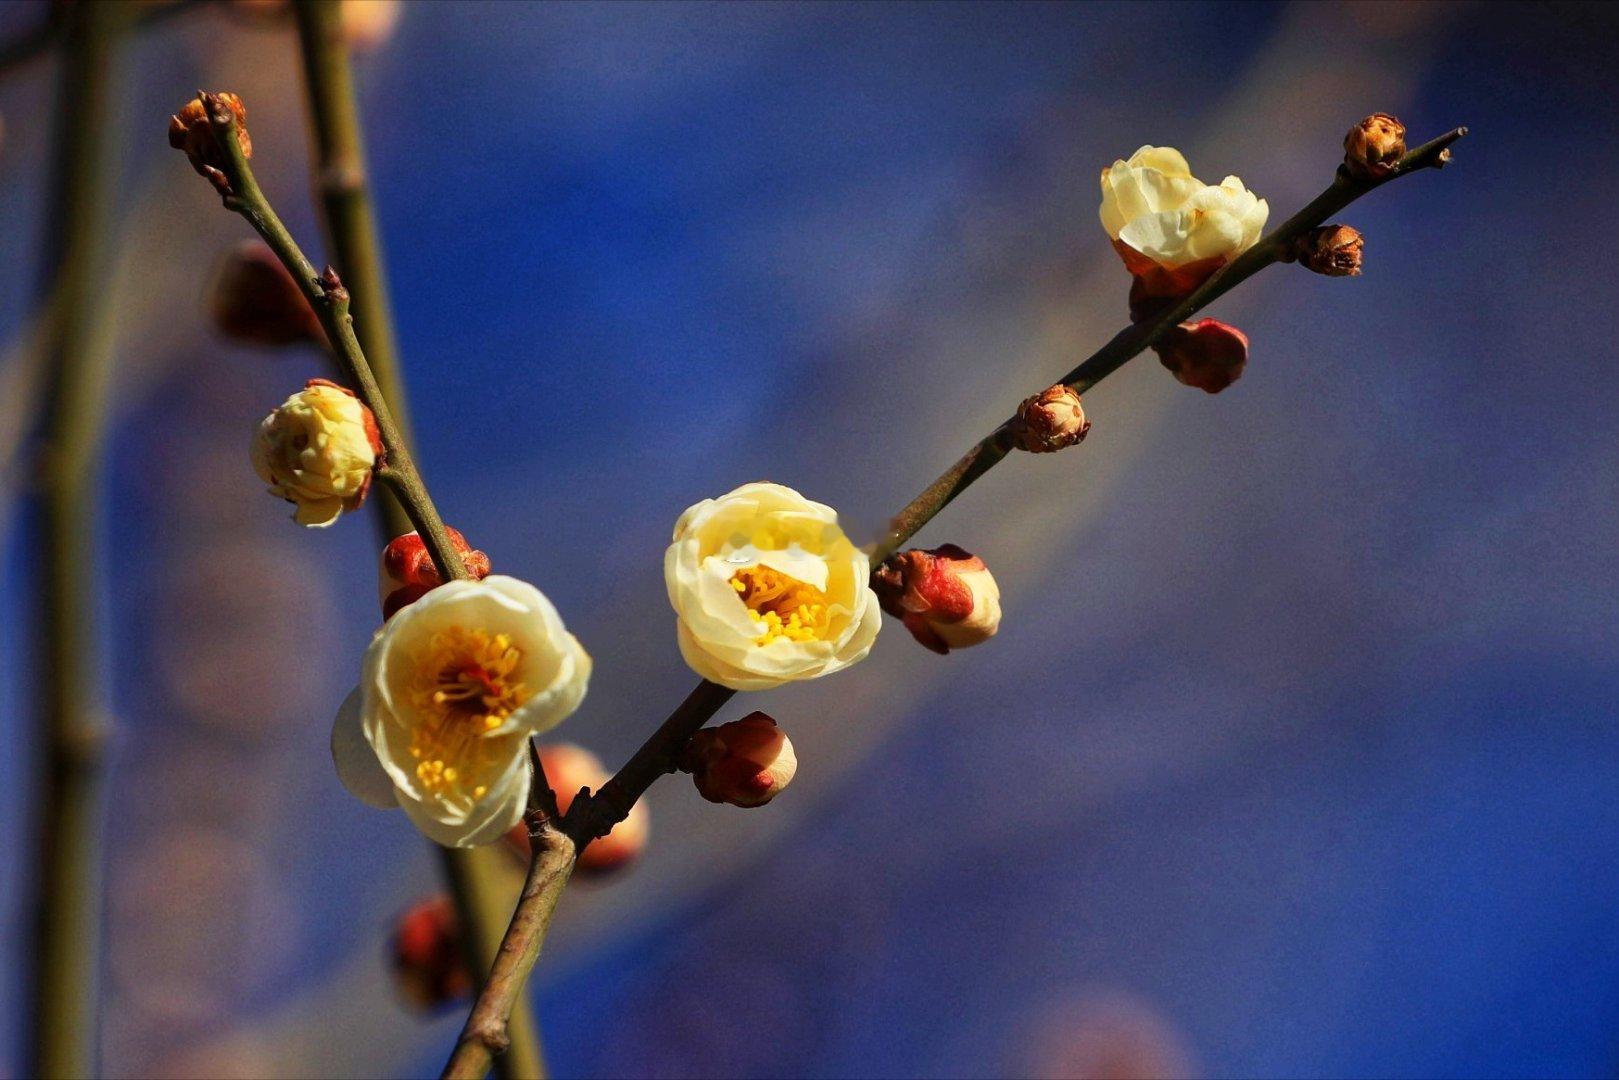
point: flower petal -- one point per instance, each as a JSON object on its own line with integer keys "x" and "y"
{"x": 491, "y": 820}
{"x": 357, "y": 764}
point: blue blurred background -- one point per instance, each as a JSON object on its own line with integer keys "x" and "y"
{"x": 1296, "y": 753}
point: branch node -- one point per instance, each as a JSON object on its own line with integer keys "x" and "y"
{"x": 332, "y": 286}
{"x": 492, "y": 1034}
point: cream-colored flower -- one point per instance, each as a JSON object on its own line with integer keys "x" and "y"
{"x": 767, "y": 589}
{"x": 1158, "y": 214}
{"x": 452, "y": 687}
{"x": 316, "y": 450}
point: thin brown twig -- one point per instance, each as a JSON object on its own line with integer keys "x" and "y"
{"x": 591, "y": 817}
{"x": 330, "y": 300}
{"x": 480, "y": 892}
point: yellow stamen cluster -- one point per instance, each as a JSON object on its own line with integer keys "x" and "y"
{"x": 463, "y": 687}
{"x": 789, "y": 608}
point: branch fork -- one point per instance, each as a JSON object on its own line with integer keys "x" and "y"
{"x": 557, "y": 839}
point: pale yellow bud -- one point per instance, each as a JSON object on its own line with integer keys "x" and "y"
{"x": 317, "y": 450}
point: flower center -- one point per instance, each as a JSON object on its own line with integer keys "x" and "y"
{"x": 462, "y": 688}
{"x": 789, "y": 608}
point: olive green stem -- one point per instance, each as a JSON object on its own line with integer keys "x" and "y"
{"x": 330, "y": 300}
{"x": 78, "y": 358}
{"x": 593, "y": 816}
{"x": 478, "y": 887}
{"x": 344, "y": 192}
{"x": 36, "y": 43}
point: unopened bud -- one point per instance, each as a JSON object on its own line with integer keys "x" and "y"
{"x": 429, "y": 964}
{"x": 1050, "y": 420}
{"x": 1209, "y": 355}
{"x": 253, "y": 299}
{"x": 745, "y": 763}
{"x": 1333, "y": 250}
{"x": 317, "y": 451}
{"x": 406, "y": 571}
{"x": 189, "y": 130}
{"x": 946, "y": 597}
{"x": 368, "y": 23}
{"x": 1374, "y": 146}
{"x": 364, "y": 24}
{"x": 568, "y": 769}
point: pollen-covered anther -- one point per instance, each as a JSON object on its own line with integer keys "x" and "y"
{"x": 787, "y": 608}
{"x": 464, "y": 688}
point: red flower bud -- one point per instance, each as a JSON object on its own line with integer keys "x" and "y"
{"x": 1209, "y": 355}
{"x": 1333, "y": 250}
{"x": 189, "y": 130}
{"x": 429, "y": 966}
{"x": 745, "y": 763}
{"x": 946, "y": 597}
{"x": 254, "y": 300}
{"x": 568, "y": 768}
{"x": 1374, "y": 146}
{"x": 1050, "y": 420}
{"x": 407, "y": 571}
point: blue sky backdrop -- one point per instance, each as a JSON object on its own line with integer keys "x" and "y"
{"x": 1296, "y": 754}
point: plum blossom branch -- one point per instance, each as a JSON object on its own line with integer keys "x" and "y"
{"x": 593, "y": 816}
{"x": 331, "y": 301}
{"x": 479, "y": 894}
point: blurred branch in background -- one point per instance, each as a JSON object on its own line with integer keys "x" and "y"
{"x": 77, "y": 346}
{"x": 34, "y": 44}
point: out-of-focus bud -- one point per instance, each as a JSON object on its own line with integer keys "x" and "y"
{"x": 254, "y": 300}
{"x": 1333, "y": 250}
{"x": 1050, "y": 420}
{"x": 568, "y": 769}
{"x": 365, "y": 24}
{"x": 317, "y": 450}
{"x": 429, "y": 965}
{"x": 1209, "y": 355}
{"x": 368, "y": 23}
{"x": 190, "y": 131}
{"x": 406, "y": 571}
{"x": 745, "y": 763}
{"x": 1374, "y": 145}
{"x": 946, "y": 597}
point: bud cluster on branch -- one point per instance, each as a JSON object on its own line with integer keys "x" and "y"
{"x": 765, "y": 585}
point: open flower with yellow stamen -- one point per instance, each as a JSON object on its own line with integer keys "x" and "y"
{"x": 452, "y": 687}
{"x": 768, "y": 589}
{"x": 1171, "y": 229}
